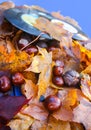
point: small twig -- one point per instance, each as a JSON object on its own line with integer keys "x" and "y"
{"x": 32, "y": 41}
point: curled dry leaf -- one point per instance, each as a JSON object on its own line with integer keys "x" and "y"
{"x": 86, "y": 85}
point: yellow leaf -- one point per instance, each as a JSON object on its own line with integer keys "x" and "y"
{"x": 21, "y": 122}
{"x": 44, "y": 80}
{"x": 40, "y": 61}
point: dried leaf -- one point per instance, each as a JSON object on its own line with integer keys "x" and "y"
{"x": 40, "y": 61}
{"x": 64, "y": 114}
{"x": 36, "y": 110}
{"x": 10, "y": 46}
{"x": 21, "y": 122}
{"x": 42, "y": 64}
{"x": 54, "y": 124}
{"x": 39, "y": 125}
{"x": 14, "y": 61}
{"x": 44, "y": 80}
{"x": 29, "y": 89}
{"x": 71, "y": 98}
{"x": 86, "y": 85}
{"x": 76, "y": 126}
{"x": 30, "y": 76}
{"x": 82, "y": 113}
{"x": 55, "y": 30}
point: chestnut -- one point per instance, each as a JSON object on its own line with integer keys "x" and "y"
{"x": 59, "y": 63}
{"x": 32, "y": 49}
{"x": 52, "y": 103}
{"x": 71, "y": 78}
{"x": 57, "y": 70}
{"x": 22, "y": 43}
{"x": 17, "y": 78}
{"x": 42, "y": 44}
{"x": 58, "y": 80}
{"x": 5, "y": 84}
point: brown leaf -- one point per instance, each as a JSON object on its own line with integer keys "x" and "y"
{"x": 10, "y": 46}
{"x": 82, "y": 113}
{"x": 76, "y": 126}
{"x": 30, "y": 76}
{"x": 63, "y": 114}
{"x": 54, "y": 124}
{"x": 86, "y": 85}
{"x": 54, "y": 29}
{"x": 36, "y": 110}
{"x": 39, "y": 125}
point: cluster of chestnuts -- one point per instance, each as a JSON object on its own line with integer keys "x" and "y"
{"x": 6, "y": 82}
{"x": 57, "y": 73}
{"x": 70, "y": 78}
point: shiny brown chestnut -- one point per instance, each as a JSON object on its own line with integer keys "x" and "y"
{"x": 58, "y": 80}
{"x": 5, "y": 84}
{"x": 52, "y": 103}
{"x": 42, "y": 44}
{"x": 57, "y": 70}
{"x": 17, "y": 78}
{"x": 32, "y": 50}
{"x": 22, "y": 43}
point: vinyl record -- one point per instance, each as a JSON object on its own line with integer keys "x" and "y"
{"x": 24, "y": 19}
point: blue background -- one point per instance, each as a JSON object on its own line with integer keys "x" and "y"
{"x": 80, "y": 10}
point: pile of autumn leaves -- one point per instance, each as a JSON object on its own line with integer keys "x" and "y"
{"x": 76, "y": 105}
